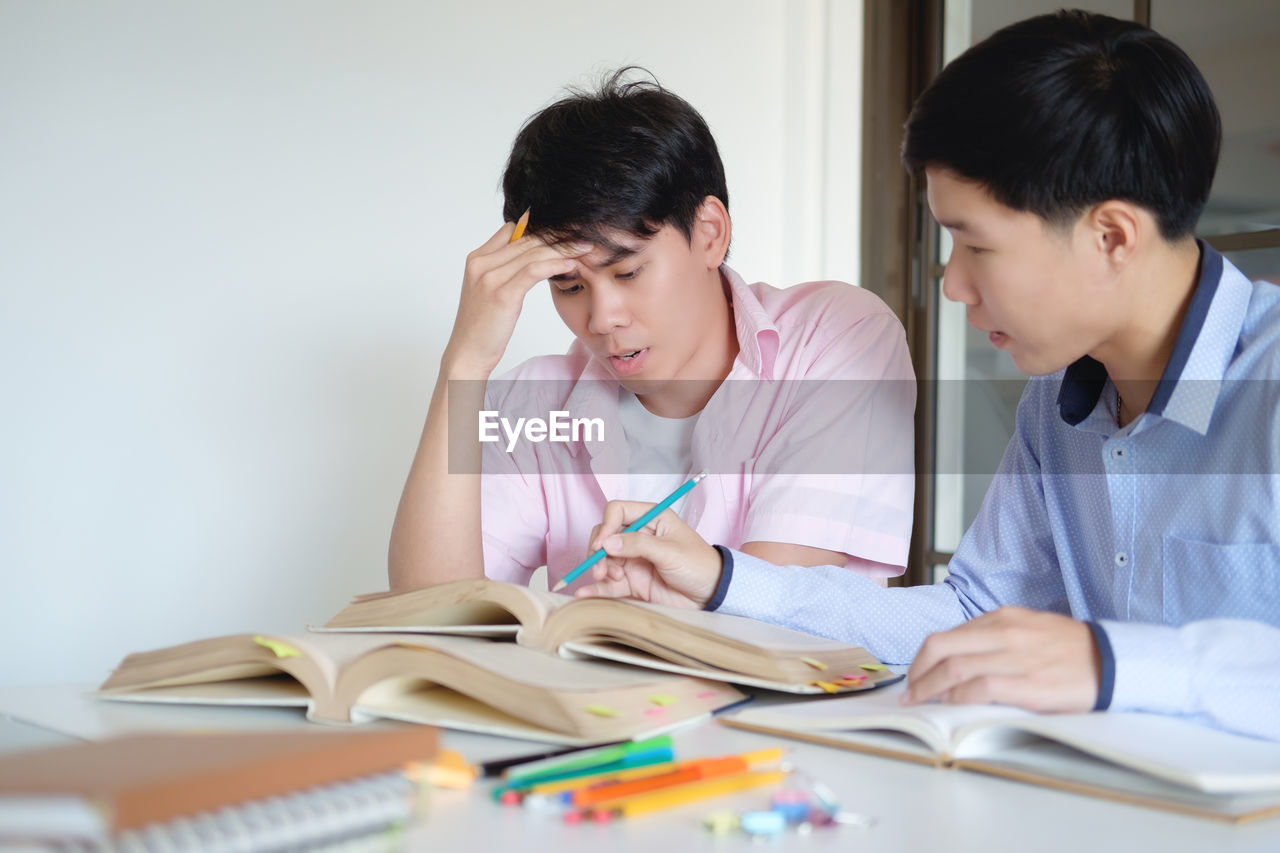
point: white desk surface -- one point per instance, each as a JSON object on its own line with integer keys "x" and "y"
{"x": 917, "y": 808}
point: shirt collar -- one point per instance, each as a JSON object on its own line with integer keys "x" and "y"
{"x": 757, "y": 335}
{"x": 1218, "y": 307}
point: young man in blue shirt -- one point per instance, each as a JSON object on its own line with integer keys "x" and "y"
{"x": 1127, "y": 554}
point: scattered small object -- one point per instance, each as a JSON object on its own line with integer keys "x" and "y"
{"x": 601, "y": 710}
{"x": 662, "y": 699}
{"x": 721, "y": 823}
{"x": 792, "y": 804}
{"x": 873, "y": 667}
{"x": 816, "y": 664}
{"x": 509, "y": 798}
{"x": 448, "y": 770}
{"x": 763, "y": 822}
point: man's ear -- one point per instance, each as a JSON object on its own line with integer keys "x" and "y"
{"x": 712, "y": 230}
{"x": 1116, "y": 228}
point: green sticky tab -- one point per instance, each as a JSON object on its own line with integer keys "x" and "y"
{"x": 601, "y": 711}
{"x": 872, "y": 667}
{"x": 662, "y": 699}
{"x": 279, "y": 649}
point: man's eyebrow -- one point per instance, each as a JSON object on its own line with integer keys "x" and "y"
{"x": 958, "y": 225}
{"x": 617, "y": 253}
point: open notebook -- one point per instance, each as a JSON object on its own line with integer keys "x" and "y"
{"x": 453, "y": 682}
{"x": 1140, "y": 758}
{"x": 691, "y": 642}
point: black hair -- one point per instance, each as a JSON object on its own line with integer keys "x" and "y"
{"x": 1059, "y": 112}
{"x": 629, "y": 156}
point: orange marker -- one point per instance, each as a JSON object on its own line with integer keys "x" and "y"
{"x": 521, "y": 223}
{"x": 682, "y": 773}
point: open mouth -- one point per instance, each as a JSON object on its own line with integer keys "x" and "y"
{"x": 629, "y": 362}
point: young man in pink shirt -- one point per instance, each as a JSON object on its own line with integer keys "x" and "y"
{"x": 798, "y": 401}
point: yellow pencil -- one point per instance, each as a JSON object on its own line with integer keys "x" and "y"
{"x": 521, "y": 223}
{"x": 679, "y": 795}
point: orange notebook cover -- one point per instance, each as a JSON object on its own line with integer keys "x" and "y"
{"x": 140, "y": 779}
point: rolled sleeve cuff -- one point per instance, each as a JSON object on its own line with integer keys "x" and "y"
{"x": 726, "y": 578}
{"x": 1107, "y": 676}
{"x": 1152, "y": 670}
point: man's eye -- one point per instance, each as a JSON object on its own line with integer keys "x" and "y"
{"x": 624, "y": 276}
{"x": 974, "y": 250}
{"x": 572, "y": 288}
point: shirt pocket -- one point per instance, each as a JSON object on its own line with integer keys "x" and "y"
{"x": 1205, "y": 580}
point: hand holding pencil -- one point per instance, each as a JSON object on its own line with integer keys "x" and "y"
{"x": 666, "y": 562}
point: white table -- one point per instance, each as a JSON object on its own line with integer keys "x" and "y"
{"x": 917, "y": 808}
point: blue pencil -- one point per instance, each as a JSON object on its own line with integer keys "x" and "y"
{"x": 631, "y": 528}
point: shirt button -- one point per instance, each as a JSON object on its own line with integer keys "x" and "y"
{"x": 1122, "y": 559}
{"x": 1117, "y": 453}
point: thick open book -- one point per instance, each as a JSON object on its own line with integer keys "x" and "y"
{"x": 453, "y": 682}
{"x": 691, "y": 642}
{"x": 1144, "y": 759}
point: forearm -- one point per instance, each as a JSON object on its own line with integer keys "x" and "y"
{"x": 1225, "y": 672}
{"x": 833, "y": 602}
{"x": 436, "y": 534}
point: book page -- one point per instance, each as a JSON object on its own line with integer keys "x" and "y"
{"x": 1057, "y": 765}
{"x": 751, "y": 633}
{"x": 934, "y": 724}
{"x": 1177, "y": 751}
{"x": 468, "y": 606}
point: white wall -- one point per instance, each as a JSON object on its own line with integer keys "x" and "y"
{"x": 231, "y": 235}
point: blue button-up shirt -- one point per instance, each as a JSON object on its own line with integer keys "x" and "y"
{"x": 1164, "y": 533}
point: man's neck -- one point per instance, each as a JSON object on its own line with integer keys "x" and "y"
{"x": 1160, "y": 289}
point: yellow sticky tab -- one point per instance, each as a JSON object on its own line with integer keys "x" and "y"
{"x": 601, "y": 711}
{"x": 279, "y": 649}
{"x": 872, "y": 667}
{"x": 827, "y": 686}
{"x": 662, "y": 699}
{"x": 816, "y": 664}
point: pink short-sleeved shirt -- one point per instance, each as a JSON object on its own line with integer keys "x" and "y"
{"x": 809, "y": 440}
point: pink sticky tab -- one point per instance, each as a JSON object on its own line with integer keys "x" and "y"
{"x": 708, "y": 694}
{"x": 655, "y": 712}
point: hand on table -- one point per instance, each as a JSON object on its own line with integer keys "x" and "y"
{"x": 1011, "y": 656}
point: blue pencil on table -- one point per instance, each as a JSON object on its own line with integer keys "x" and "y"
{"x": 631, "y": 528}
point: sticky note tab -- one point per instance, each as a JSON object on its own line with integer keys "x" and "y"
{"x": 601, "y": 711}
{"x": 662, "y": 699}
{"x": 655, "y": 712}
{"x": 853, "y": 678}
{"x": 708, "y": 694}
{"x": 279, "y": 649}
{"x": 827, "y": 686}
{"x": 448, "y": 770}
{"x": 816, "y": 664}
{"x": 872, "y": 667}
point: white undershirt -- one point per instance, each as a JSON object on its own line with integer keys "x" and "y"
{"x": 660, "y": 449}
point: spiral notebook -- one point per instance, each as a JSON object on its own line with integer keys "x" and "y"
{"x": 256, "y": 791}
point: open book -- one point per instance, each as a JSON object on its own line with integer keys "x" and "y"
{"x": 1144, "y": 759}
{"x": 691, "y": 642}
{"x": 453, "y": 682}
